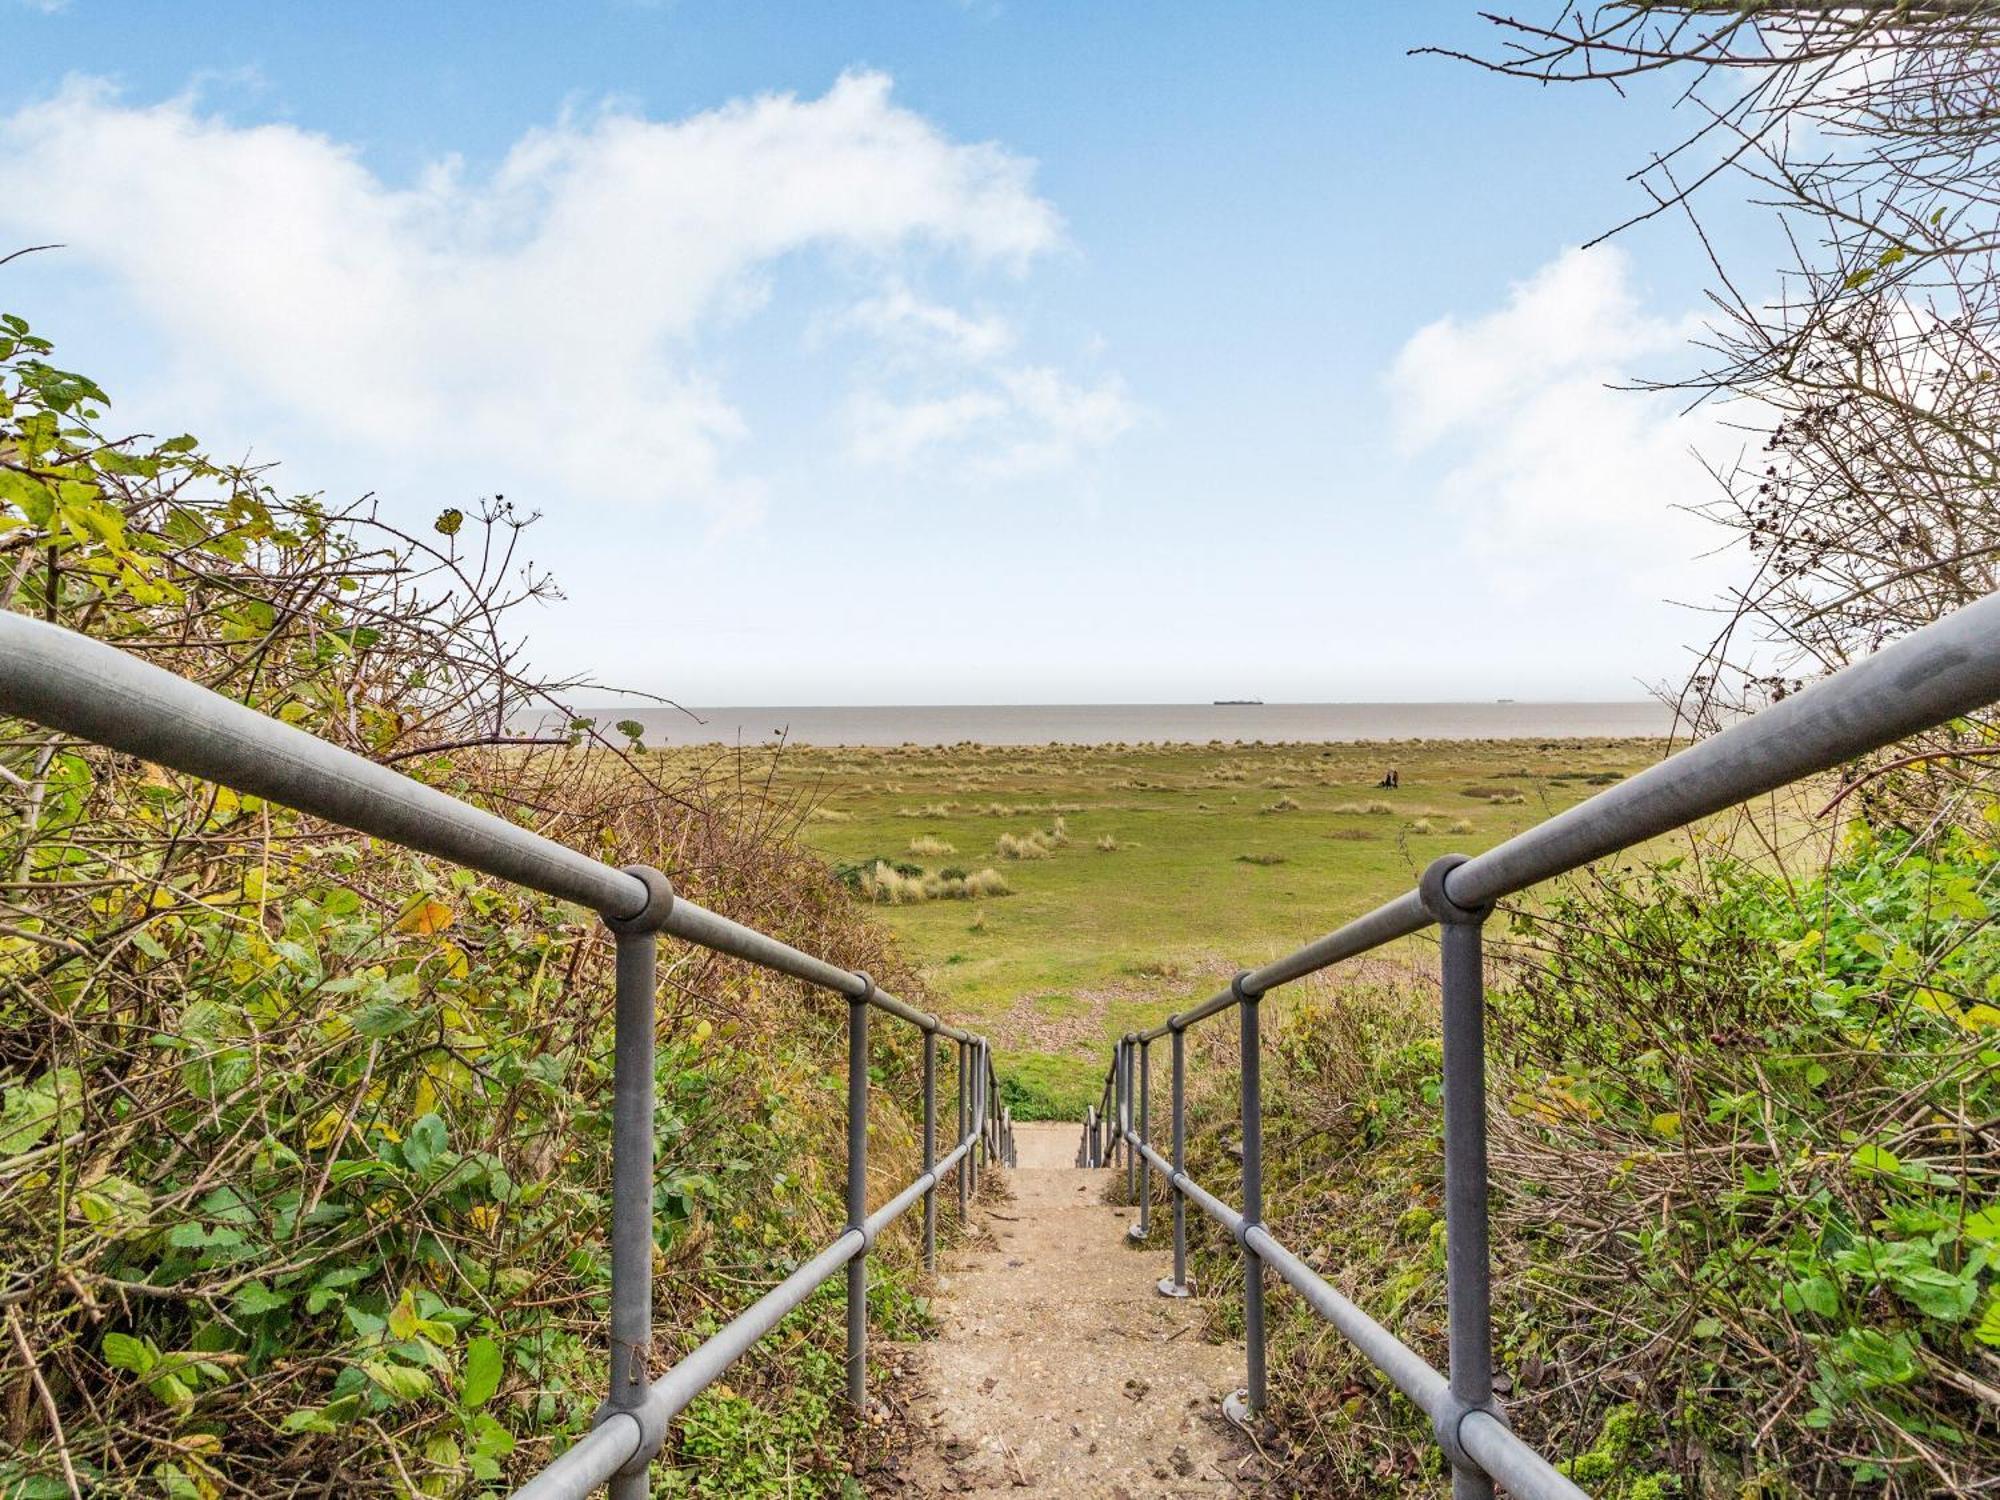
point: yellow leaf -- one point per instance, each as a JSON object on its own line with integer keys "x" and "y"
{"x": 1668, "y": 1125}
{"x": 1981, "y": 1018}
{"x": 425, "y": 918}
{"x": 324, "y": 1129}
{"x": 403, "y": 1319}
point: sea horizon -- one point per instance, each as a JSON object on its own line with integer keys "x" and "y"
{"x": 880, "y": 725}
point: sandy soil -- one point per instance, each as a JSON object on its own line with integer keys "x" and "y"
{"x": 1060, "y": 1370}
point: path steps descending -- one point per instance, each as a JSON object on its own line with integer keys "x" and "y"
{"x": 1059, "y": 1370}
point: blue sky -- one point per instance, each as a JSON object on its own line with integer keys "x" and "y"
{"x": 930, "y": 352}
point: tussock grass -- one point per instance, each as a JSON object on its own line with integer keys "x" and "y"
{"x": 1107, "y": 843}
{"x": 1283, "y": 805}
{"x": 889, "y": 886}
{"x": 1023, "y": 846}
{"x": 829, "y": 815}
{"x": 926, "y": 844}
{"x": 1353, "y": 835}
{"x": 1260, "y": 859}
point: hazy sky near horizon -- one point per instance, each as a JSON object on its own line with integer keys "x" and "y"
{"x": 949, "y": 351}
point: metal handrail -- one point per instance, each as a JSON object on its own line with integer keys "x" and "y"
{"x": 1934, "y": 675}
{"x": 98, "y": 693}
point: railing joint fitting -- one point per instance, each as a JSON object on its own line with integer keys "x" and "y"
{"x": 1432, "y": 891}
{"x": 1243, "y": 993}
{"x": 868, "y": 990}
{"x": 659, "y": 903}
{"x": 1450, "y": 1417}
{"x": 652, "y": 1432}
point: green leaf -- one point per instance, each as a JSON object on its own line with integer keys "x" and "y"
{"x": 1988, "y": 1331}
{"x": 253, "y": 1299}
{"x": 123, "y": 1352}
{"x": 425, "y": 1142}
{"x": 1879, "y": 1160}
{"x": 1813, "y": 1294}
{"x": 30, "y": 1110}
{"x": 397, "y": 1382}
{"x": 483, "y": 1368}
{"x": 1984, "y": 1226}
{"x": 1937, "y": 1293}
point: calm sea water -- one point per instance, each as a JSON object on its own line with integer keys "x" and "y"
{"x": 1139, "y": 723}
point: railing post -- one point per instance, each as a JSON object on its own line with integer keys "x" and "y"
{"x": 1249, "y": 1402}
{"x": 977, "y": 1059}
{"x": 930, "y": 1149}
{"x": 1125, "y": 1128}
{"x": 1468, "y": 1267}
{"x": 964, "y": 1105}
{"x": 1176, "y": 1285}
{"x": 632, "y": 1174}
{"x": 1144, "y": 1227}
{"x": 857, "y": 1191}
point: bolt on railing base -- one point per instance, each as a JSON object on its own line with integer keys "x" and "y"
{"x": 1166, "y": 1286}
{"x": 1135, "y": 1233}
{"x": 1236, "y": 1407}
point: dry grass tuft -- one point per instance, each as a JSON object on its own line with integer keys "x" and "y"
{"x": 926, "y": 844}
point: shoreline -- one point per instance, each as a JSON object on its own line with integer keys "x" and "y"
{"x": 1129, "y": 725}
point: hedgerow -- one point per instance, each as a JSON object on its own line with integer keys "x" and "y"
{"x": 1745, "y": 1172}
{"x": 304, "y": 1139}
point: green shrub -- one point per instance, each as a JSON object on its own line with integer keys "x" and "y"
{"x": 1745, "y": 1211}
{"x": 304, "y": 1139}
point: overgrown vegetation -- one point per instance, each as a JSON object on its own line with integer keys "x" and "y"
{"x": 1747, "y": 1187}
{"x": 304, "y": 1139}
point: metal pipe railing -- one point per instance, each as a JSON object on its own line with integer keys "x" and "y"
{"x": 97, "y": 693}
{"x": 1934, "y": 675}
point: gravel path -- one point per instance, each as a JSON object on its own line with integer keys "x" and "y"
{"x": 1059, "y": 1370}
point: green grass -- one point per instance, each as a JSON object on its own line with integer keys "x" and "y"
{"x": 1205, "y": 878}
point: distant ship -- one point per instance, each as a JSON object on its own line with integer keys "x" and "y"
{"x": 1239, "y": 703}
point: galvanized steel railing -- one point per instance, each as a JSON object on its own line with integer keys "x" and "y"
{"x": 97, "y": 693}
{"x": 1945, "y": 670}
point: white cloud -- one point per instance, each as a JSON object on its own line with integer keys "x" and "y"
{"x": 1555, "y": 475}
{"x": 540, "y": 317}
{"x": 1017, "y": 421}
{"x": 905, "y": 321}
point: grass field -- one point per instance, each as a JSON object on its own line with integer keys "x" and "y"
{"x": 1144, "y": 876}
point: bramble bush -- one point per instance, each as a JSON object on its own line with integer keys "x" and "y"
{"x": 1746, "y": 1184}
{"x": 304, "y": 1139}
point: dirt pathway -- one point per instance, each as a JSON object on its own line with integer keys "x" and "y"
{"x": 1060, "y": 1370}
